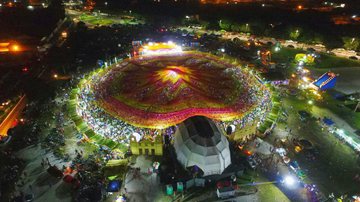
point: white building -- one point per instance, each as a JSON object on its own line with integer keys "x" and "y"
{"x": 199, "y": 142}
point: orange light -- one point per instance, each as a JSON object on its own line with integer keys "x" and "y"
{"x": 247, "y": 152}
{"x": 64, "y": 34}
{"x": 56, "y": 76}
{"x": 299, "y": 7}
{"x": 15, "y": 48}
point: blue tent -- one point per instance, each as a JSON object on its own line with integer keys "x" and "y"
{"x": 326, "y": 81}
{"x": 114, "y": 186}
{"x": 328, "y": 121}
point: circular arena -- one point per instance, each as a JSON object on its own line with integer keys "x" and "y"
{"x": 149, "y": 94}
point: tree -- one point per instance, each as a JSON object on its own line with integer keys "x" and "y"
{"x": 225, "y": 24}
{"x": 57, "y": 8}
{"x": 351, "y": 43}
{"x": 294, "y": 34}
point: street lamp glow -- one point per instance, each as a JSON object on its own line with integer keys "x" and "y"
{"x": 310, "y": 102}
{"x": 64, "y": 34}
{"x": 289, "y": 180}
{"x": 14, "y": 48}
{"x": 306, "y": 79}
{"x": 55, "y": 76}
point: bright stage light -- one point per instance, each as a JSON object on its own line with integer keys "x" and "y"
{"x": 160, "y": 48}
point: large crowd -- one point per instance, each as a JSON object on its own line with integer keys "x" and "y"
{"x": 103, "y": 123}
{"x": 253, "y": 105}
{"x": 259, "y": 95}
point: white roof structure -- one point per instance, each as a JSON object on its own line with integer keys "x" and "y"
{"x": 198, "y": 141}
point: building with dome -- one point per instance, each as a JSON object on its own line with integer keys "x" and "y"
{"x": 199, "y": 142}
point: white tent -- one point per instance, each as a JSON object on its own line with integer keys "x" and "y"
{"x": 198, "y": 141}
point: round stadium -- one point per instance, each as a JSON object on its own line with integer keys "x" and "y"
{"x": 151, "y": 94}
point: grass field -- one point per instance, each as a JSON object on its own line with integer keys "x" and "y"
{"x": 266, "y": 192}
{"x": 103, "y": 20}
{"x": 269, "y": 192}
{"x": 347, "y": 114}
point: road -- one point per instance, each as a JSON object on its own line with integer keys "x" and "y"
{"x": 12, "y": 116}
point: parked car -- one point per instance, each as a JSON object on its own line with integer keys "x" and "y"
{"x": 252, "y": 162}
{"x": 304, "y": 115}
{"x": 5, "y": 140}
{"x": 353, "y": 57}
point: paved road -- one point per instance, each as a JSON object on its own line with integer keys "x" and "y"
{"x": 12, "y": 116}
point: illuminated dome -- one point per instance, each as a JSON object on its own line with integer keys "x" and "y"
{"x": 164, "y": 90}
{"x": 199, "y": 142}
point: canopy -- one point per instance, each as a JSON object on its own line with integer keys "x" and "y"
{"x": 328, "y": 121}
{"x": 68, "y": 178}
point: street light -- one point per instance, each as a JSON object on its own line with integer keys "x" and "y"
{"x": 289, "y": 181}
{"x": 64, "y": 34}
{"x": 55, "y": 76}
